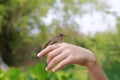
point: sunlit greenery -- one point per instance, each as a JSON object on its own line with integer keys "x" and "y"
{"x": 19, "y": 44}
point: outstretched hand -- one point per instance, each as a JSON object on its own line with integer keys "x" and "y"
{"x": 63, "y": 54}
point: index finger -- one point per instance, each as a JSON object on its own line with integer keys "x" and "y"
{"x": 47, "y": 50}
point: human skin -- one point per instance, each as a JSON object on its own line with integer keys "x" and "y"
{"x": 63, "y": 54}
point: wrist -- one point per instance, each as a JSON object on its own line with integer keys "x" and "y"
{"x": 92, "y": 63}
{"x": 96, "y": 71}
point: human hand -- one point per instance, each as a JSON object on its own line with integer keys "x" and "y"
{"x": 63, "y": 54}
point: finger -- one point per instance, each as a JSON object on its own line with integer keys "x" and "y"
{"x": 65, "y": 62}
{"x": 54, "y": 53}
{"x": 47, "y": 50}
{"x": 56, "y": 60}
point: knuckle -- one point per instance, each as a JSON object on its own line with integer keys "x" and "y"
{"x": 55, "y": 59}
{"x": 72, "y": 57}
{"x": 50, "y": 54}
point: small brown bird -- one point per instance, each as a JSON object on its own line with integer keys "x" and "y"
{"x": 59, "y": 38}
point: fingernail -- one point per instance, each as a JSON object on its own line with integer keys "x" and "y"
{"x": 38, "y": 55}
{"x": 53, "y": 70}
{"x": 46, "y": 69}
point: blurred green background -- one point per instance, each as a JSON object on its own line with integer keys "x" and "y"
{"x": 24, "y": 31}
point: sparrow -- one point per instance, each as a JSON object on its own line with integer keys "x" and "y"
{"x": 59, "y": 38}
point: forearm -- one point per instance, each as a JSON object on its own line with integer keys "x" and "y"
{"x": 96, "y": 72}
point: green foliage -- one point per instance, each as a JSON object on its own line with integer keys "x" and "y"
{"x": 113, "y": 71}
{"x": 36, "y": 72}
{"x": 15, "y": 26}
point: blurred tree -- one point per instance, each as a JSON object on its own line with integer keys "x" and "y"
{"x": 15, "y": 16}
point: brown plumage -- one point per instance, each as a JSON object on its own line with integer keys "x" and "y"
{"x": 59, "y": 38}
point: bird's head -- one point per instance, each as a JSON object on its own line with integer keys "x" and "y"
{"x": 60, "y": 35}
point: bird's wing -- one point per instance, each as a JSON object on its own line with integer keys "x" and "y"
{"x": 50, "y": 42}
